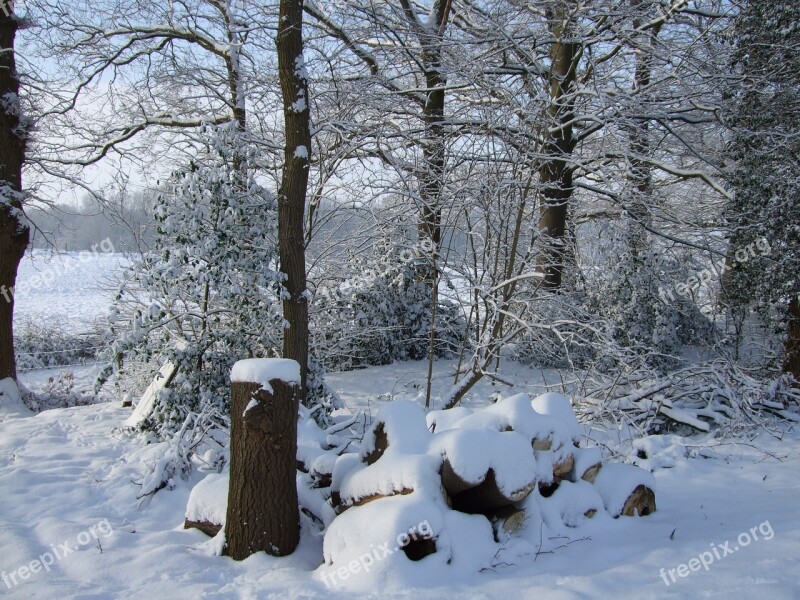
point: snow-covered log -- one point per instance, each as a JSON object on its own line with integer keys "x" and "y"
{"x": 587, "y": 463}
{"x": 208, "y": 502}
{"x": 626, "y": 490}
{"x": 399, "y": 424}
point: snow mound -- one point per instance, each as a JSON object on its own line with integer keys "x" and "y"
{"x": 558, "y": 406}
{"x": 208, "y": 500}
{"x": 574, "y": 503}
{"x": 264, "y": 370}
{"x": 11, "y": 404}
{"x": 615, "y": 483}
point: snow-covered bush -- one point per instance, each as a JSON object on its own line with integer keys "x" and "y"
{"x": 207, "y": 295}
{"x": 381, "y": 313}
{"x": 42, "y": 344}
{"x": 622, "y": 311}
{"x": 633, "y": 294}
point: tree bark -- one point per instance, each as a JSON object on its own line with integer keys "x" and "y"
{"x": 431, "y": 175}
{"x": 14, "y": 232}
{"x": 555, "y": 174}
{"x": 294, "y": 184}
{"x": 792, "y": 361}
{"x": 640, "y": 172}
{"x": 263, "y": 513}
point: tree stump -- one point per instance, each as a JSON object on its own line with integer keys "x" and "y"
{"x": 263, "y": 513}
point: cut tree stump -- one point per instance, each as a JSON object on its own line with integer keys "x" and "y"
{"x": 263, "y": 513}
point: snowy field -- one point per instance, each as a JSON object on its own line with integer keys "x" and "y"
{"x": 73, "y": 289}
{"x": 727, "y": 524}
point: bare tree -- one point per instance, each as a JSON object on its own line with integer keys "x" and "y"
{"x": 294, "y": 183}
{"x": 14, "y": 230}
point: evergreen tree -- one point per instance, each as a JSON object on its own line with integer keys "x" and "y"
{"x": 764, "y": 116}
{"x": 208, "y": 293}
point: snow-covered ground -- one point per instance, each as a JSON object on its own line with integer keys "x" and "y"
{"x": 67, "y": 477}
{"x": 71, "y": 527}
{"x": 72, "y": 289}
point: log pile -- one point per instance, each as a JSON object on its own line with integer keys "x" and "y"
{"x": 497, "y": 462}
{"x": 496, "y": 472}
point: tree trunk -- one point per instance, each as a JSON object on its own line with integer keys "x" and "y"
{"x": 14, "y": 232}
{"x": 792, "y": 363}
{"x": 294, "y": 184}
{"x": 640, "y": 173}
{"x": 555, "y": 175}
{"x": 263, "y": 513}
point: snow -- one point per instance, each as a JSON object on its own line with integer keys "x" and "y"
{"x": 405, "y": 428}
{"x": 442, "y": 420}
{"x": 392, "y": 474}
{"x": 208, "y": 500}
{"x": 616, "y": 481}
{"x": 301, "y": 152}
{"x": 63, "y": 472}
{"x": 572, "y": 504}
{"x": 46, "y": 289}
{"x": 11, "y": 404}
{"x": 472, "y": 452}
{"x": 264, "y": 370}
{"x": 585, "y": 458}
{"x": 252, "y": 404}
{"x": 558, "y": 406}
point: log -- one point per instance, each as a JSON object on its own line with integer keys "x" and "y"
{"x": 367, "y": 499}
{"x": 588, "y": 462}
{"x": 640, "y": 503}
{"x": 210, "y": 529}
{"x": 380, "y": 445}
{"x": 506, "y": 522}
{"x": 483, "y": 497}
{"x": 563, "y": 468}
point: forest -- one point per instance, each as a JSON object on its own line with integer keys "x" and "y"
{"x": 399, "y": 297}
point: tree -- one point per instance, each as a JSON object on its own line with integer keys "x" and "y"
{"x": 14, "y": 230}
{"x": 764, "y": 116}
{"x": 207, "y": 294}
{"x": 294, "y": 184}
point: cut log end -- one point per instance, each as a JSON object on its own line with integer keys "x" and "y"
{"x": 210, "y": 529}
{"x": 641, "y": 502}
{"x": 591, "y": 473}
{"x": 381, "y": 443}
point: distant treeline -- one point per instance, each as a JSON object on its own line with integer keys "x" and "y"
{"x": 129, "y": 224}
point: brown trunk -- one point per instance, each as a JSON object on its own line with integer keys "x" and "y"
{"x": 555, "y": 175}
{"x": 263, "y": 513}
{"x": 431, "y": 175}
{"x": 792, "y": 364}
{"x": 14, "y": 232}
{"x": 294, "y": 184}
{"x": 640, "y": 173}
